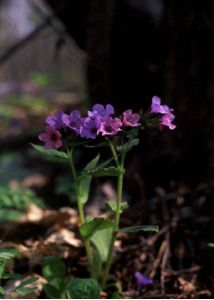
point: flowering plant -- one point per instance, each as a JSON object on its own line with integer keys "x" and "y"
{"x": 64, "y": 133}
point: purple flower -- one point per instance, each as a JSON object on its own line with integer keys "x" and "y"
{"x": 51, "y": 137}
{"x": 90, "y": 128}
{"x": 167, "y": 119}
{"x": 110, "y": 126}
{"x": 101, "y": 111}
{"x": 143, "y": 280}
{"x": 130, "y": 119}
{"x": 56, "y": 120}
{"x": 158, "y": 108}
{"x": 73, "y": 121}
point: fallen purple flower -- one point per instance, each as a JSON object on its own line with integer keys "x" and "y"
{"x": 143, "y": 280}
{"x": 130, "y": 119}
{"x": 167, "y": 119}
{"x": 110, "y": 126}
{"x": 156, "y": 106}
{"x": 51, "y": 138}
{"x": 55, "y": 121}
{"x": 73, "y": 121}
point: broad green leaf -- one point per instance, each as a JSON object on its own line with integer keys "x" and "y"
{"x": 53, "y": 153}
{"x": 129, "y": 145}
{"x": 2, "y": 267}
{"x": 105, "y": 163}
{"x": 102, "y": 240}
{"x": 96, "y": 263}
{"x": 211, "y": 245}
{"x": 12, "y": 276}
{"x": 2, "y": 291}
{"x": 85, "y": 182}
{"x": 84, "y": 189}
{"x": 150, "y": 228}
{"x": 88, "y": 229}
{"x": 112, "y": 206}
{"x": 87, "y": 288}
{"x": 92, "y": 164}
{"x": 23, "y": 288}
{"x": 8, "y": 253}
{"x": 101, "y": 172}
{"x": 51, "y": 291}
{"x": 26, "y": 282}
{"x": 53, "y": 267}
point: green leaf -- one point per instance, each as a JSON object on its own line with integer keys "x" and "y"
{"x": 8, "y": 253}
{"x": 2, "y": 291}
{"x": 26, "y": 282}
{"x": 150, "y": 228}
{"x": 97, "y": 224}
{"x": 22, "y": 289}
{"x": 87, "y": 288}
{"x": 101, "y": 172}
{"x": 52, "y": 153}
{"x": 118, "y": 295}
{"x": 211, "y": 245}
{"x": 2, "y": 267}
{"x": 96, "y": 263}
{"x": 129, "y": 145}
{"x": 53, "y": 267}
{"x": 92, "y": 164}
{"x": 100, "y": 145}
{"x": 51, "y": 291}
{"x": 102, "y": 240}
{"x": 12, "y": 276}
{"x": 112, "y": 206}
{"x": 85, "y": 182}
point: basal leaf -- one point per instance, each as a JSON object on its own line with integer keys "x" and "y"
{"x": 8, "y": 253}
{"x": 51, "y": 291}
{"x": 2, "y": 291}
{"x": 87, "y": 288}
{"x": 53, "y": 267}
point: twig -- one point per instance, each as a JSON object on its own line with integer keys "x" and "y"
{"x": 164, "y": 263}
{"x": 157, "y": 261}
{"x": 193, "y": 269}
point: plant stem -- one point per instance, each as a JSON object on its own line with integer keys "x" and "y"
{"x": 80, "y": 209}
{"x": 111, "y": 145}
{"x": 117, "y": 214}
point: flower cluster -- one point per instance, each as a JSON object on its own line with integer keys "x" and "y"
{"x": 165, "y": 111}
{"x": 100, "y": 121}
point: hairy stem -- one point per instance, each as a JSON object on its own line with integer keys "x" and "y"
{"x": 80, "y": 209}
{"x": 120, "y": 165}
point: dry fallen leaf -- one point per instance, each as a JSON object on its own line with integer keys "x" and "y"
{"x": 64, "y": 236}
